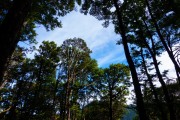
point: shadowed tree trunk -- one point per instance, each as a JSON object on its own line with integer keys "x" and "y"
{"x": 110, "y": 104}
{"x": 139, "y": 98}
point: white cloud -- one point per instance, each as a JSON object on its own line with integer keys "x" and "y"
{"x": 166, "y": 64}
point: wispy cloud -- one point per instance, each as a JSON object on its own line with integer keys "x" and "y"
{"x": 166, "y": 64}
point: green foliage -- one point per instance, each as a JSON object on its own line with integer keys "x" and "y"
{"x": 42, "y": 12}
{"x": 96, "y": 110}
{"x": 151, "y": 105}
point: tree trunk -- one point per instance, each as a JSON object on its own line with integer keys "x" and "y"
{"x": 158, "y": 103}
{"x": 10, "y": 30}
{"x": 110, "y": 104}
{"x": 139, "y": 98}
{"x": 68, "y": 94}
{"x": 55, "y": 97}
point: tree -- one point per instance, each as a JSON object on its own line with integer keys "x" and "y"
{"x": 75, "y": 59}
{"x": 111, "y": 90}
{"x": 45, "y": 63}
{"x": 116, "y": 81}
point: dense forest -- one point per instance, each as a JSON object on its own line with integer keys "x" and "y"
{"x": 65, "y": 83}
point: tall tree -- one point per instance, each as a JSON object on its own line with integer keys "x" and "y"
{"x": 75, "y": 58}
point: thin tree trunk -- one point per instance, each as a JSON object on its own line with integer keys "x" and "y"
{"x": 39, "y": 87}
{"x": 110, "y": 105}
{"x": 10, "y": 30}
{"x": 68, "y": 93}
{"x": 139, "y": 98}
{"x": 54, "y": 98}
{"x": 158, "y": 103}
{"x": 63, "y": 105}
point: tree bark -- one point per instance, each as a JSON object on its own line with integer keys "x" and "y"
{"x": 139, "y": 98}
{"x": 10, "y": 30}
{"x": 110, "y": 104}
{"x": 68, "y": 95}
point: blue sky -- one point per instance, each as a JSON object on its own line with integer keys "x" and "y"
{"x": 102, "y": 41}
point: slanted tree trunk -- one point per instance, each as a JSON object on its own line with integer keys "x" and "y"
{"x": 68, "y": 95}
{"x": 139, "y": 98}
{"x": 10, "y": 30}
